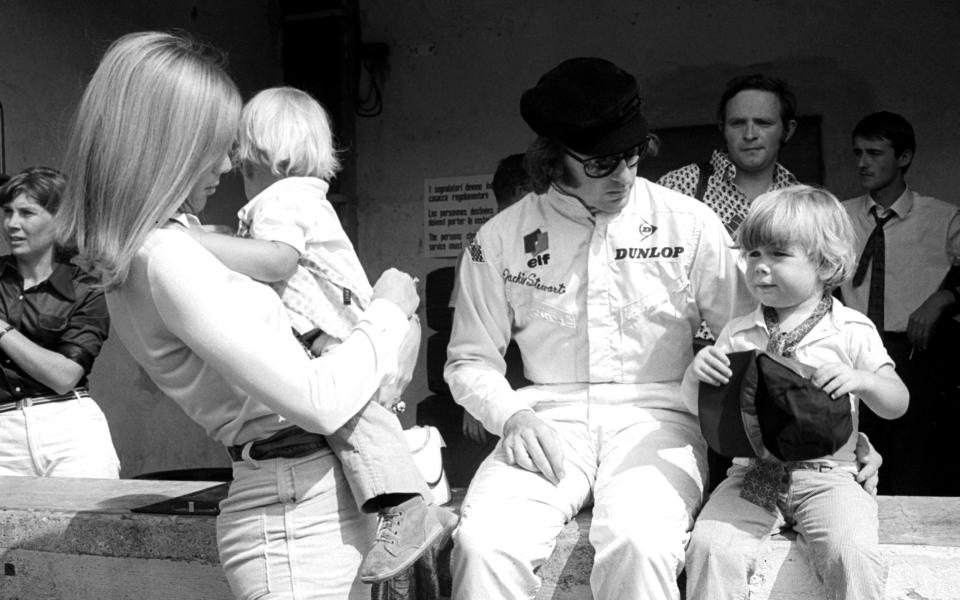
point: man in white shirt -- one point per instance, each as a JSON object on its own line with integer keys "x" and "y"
{"x": 601, "y": 278}
{"x": 907, "y": 243}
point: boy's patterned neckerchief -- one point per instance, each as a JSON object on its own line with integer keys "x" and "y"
{"x": 767, "y": 480}
{"x": 785, "y": 343}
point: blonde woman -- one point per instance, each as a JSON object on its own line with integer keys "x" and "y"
{"x": 152, "y": 133}
{"x": 291, "y": 237}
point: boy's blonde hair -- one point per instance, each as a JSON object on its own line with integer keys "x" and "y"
{"x": 286, "y": 131}
{"x": 158, "y": 113}
{"x": 809, "y": 217}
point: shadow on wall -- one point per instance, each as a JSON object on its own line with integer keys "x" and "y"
{"x": 150, "y": 432}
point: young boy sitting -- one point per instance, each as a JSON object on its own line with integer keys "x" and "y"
{"x": 798, "y": 245}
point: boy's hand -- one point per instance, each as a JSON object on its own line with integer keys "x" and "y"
{"x": 710, "y": 365}
{"x": 838, "y": 380}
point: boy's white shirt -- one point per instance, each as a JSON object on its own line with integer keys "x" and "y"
{"x": 295, "y": 211}
{"x": 843, "y": 335}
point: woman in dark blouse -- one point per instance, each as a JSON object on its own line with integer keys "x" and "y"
{"x": 53, "y": 322}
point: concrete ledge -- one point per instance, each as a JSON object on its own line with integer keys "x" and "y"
{"x": 919, "y": 536}
{"x": 76, "y": 539}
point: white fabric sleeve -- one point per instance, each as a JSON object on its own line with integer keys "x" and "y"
{"x": 865, "y": 346}
{"x": 191, "y": 290}
{"x": 281, "y": 217}
{"x": 719, "y": 286}
{"x": 481, "y": 332}
{"x": 296, "y": 217}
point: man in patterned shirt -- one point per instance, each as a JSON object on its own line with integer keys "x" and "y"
{"x": 757, "y": 115}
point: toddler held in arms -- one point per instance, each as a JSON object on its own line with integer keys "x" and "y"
{"x": 290, "y": 237}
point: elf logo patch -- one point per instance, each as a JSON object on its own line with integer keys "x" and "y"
{"x": 536, "y": 243}
{"x": 646, "y": 229}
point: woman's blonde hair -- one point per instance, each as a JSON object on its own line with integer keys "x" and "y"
{"x": 286, "y": 131}
{"x": 809, "y": 217}
{"x": 158, "y": 113}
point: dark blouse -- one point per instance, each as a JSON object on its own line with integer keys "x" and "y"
{"x": 64, "y": 314}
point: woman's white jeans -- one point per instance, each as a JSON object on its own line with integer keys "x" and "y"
{"x": 69, "y": 438}
{"x": 290, "y": 530}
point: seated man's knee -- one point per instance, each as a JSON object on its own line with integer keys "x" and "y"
{"x": 470, "y": 539}
{"x": 485, "y": 564}
{"x": 479, "y": 540}
{"x": 512, "y": 541}
{"x": 643, "y": 544}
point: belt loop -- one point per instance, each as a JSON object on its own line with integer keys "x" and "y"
{"x": 26, "y": 403}
{"x": 245, "y": 455}
{"x": 77, "y": 395}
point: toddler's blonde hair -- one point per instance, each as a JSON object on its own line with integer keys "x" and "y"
{"x": 809, "y": 217}
{"x": 286, "y": 131}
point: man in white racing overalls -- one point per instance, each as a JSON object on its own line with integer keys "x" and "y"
{"x": 601, "y": 278}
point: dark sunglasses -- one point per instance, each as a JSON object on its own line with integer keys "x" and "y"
{"x": 601, "y": 166}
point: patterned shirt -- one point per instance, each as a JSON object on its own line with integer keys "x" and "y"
{"x": 722, "y": 195}
{"x": 329, "y": 290}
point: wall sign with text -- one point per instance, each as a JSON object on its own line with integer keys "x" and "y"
{"x": 454, "y": 208}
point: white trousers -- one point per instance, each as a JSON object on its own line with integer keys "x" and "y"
{"x": 289, "y": 529}
{"x": 837, "y": 532}
{"x": 642, "y": 469}
{"x": 69, "y": 438}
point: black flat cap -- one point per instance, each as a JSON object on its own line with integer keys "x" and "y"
{"x": 589, "y": 105}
